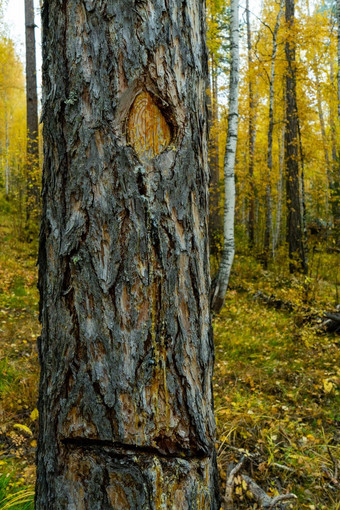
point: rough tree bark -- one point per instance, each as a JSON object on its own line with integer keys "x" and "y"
{"x": 31, "y": 110}
{"x": 221, "y": 281}
{"x": 126, "y": 351}
{"x": 297, "y": 261}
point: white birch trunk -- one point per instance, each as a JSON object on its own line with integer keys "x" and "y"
{"x": 222, "y": 279}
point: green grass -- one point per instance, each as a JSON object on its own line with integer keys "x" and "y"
{"x": 8, "y": 374}
{"x": 13, "y": 496}
{"x": 19, "y": 329}
{"x": 276, "y": 380}
{"x": 277, "y": 397}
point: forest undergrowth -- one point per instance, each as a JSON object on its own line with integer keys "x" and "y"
{"x": 276, "y": 380}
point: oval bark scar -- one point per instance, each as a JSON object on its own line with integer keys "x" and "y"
{"x": 149, "y": 133}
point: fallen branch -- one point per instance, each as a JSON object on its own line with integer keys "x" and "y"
{"x": 333, "y": 476}
{"x": 229, "y": 486}
{"x": 328, "y": 321}
{"x": 332, "y": 316}
{"x": 282, "y": 466}
{"x": 272, "y": 301}
{"x": 262, "y": 497}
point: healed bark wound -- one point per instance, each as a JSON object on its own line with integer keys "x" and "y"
{"x": 126, "y": 418}
{"x": 148, "y": 130}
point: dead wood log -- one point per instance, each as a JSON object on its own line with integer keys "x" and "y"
{"x": 262, "y": 498}
{"x": 327, "y": 322}
{"x": 227, "y": 503}
{"x": 330, "y": 323}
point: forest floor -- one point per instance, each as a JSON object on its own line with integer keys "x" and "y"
{"x": 276, "y": 380}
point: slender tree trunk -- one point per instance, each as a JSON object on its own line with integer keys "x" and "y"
{"x": 338, "y": 52}
{"x": 303, "y": 205}
{"x": 215, "y": 120}
{"x": 215, "y": 220}
{"x": 323, "y": 136}
{"x": 336, "y": 175}
{"x": 334, "y": 161}
{"x": 332, "y": 119}
{"x": 7, "y": 170}
{"x": 280, "y": 188}
{"x": 125, "y": 406}
{"x": 251, "y": 134}
{"x": 297, "y": 260}
{"x": 269, "y": 216}
{"x": 222, "y": 279}
{"x": 31, "y": 112}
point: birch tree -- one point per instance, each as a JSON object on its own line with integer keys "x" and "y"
{"x": 126, "y": 351}
{"x": 221, "y": 282}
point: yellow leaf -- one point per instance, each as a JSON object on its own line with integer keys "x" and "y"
{"x": 244, "y": 485}
{"x": 34, "y": 443}
{"x": 327, "y": 386}
{"x": 34, "y": 414}
{"x": 23, "y": 428}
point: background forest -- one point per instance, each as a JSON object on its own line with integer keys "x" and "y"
{"x": 277, "y": 370}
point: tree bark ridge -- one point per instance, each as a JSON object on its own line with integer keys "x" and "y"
{"x": 126, "y": 347}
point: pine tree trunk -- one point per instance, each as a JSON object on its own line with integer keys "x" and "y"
{"x": 31, "y": 111}
{"x": 221, "y": 282}
{"x": 297, "y": 260}
{"x": 126, "y": 351}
